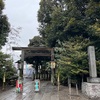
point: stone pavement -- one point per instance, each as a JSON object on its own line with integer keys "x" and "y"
{"x": 47, "y": 92}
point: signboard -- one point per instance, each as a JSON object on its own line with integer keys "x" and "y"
{"x": 52, "y": 64}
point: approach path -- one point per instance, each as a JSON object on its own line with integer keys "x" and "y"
{"x": 47, "y": 92}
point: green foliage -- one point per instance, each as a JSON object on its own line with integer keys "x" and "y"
{"x": 71, "y": 57}
{"x": 4, "y": 25}
{"x": 37, "y": 41}
{"x": 68, "y": 18}
{"x": 7, "y": 62}
{"x": 71, "y": 26}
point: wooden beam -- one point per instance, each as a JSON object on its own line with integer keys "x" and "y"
{"x": 31, "y": 48}
{"x": 36, "y": 54}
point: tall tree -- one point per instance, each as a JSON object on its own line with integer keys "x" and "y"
{"x": 4, "y": 25}
{"x": 37, "y": 41}
{"x": 68, "y": 21}
{"x": 71, "y": 57}
{"x": 68, "y": 18}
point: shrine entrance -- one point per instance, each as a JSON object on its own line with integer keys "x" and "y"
{"x": 36, "y": 56}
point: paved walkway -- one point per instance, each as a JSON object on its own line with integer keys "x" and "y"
{"x": 47, "y": 92}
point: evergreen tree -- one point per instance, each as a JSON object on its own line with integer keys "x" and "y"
{"x": 75, "y": 23}
{"x": 4, "y": 25}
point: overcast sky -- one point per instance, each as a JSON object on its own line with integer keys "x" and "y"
{"x": 23, "y": 13}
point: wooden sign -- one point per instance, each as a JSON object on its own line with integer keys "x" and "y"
{"x": 52, "y": 64}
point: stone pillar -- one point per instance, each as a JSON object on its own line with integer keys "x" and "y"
{"x": 91, "y": 88}
{"x": 92, "y": 62}
{"x": 92, "y": 66}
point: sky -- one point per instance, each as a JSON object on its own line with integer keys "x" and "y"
{"x": 22, "y": 13}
